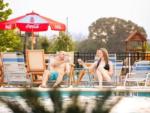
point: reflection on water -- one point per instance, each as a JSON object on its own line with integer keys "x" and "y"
{"x": 5, "y": 109}
{"x": 133, "y": 105}
{"x": 128, "y": 104}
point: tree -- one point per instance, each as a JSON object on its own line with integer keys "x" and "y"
{"x": 4, "y": 11}
{"x": 9, "y": 40}
{"x": 63, "y": 43}
{"x": 43, "y": 43}
{"x": 111, "y": 33}
{"x": 88, "y": 45}
{"x": 147, "y": 46}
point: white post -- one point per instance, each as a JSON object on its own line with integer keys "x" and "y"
{"x": 129, "y": 62}
{"x": 67, "y": 25}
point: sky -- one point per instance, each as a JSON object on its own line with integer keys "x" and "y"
{"x": 79, "y": 14}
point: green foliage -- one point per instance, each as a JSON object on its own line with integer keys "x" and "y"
{"x": 43, "y": 43}
{"x": 147, "y": 47}
{"x": 88, "y": 45}
{"x": 110, "y": 33}
{"x": 31, "y": 97}
{"x": 63, "y": 43}
{"x": 4, "y": 11}
{"x": 9, "y": 40}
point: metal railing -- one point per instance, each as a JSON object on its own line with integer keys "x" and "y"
{"x": 133, "y": 56}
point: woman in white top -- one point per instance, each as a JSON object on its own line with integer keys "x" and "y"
{"x": 102, "y": 66}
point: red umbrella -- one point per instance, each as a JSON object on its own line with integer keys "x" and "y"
{"x": 32, "y": 22}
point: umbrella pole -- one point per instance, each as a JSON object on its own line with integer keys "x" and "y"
{"x": 32, "y": 45}
{"x": 25, "y": 45}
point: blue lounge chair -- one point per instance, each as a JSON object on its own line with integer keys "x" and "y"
{"x": 14, "y": 69}
{"x": 139, "y": 74}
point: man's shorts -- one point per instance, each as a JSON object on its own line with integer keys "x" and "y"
{"x": 53, "y": 75}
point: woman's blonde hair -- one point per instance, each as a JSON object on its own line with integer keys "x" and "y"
{"x": 105, "y": 54}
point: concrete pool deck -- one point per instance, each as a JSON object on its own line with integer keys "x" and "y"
{"x": 92, "y": 89}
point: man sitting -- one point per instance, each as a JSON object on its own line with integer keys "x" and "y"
{"x": 59, "y": 66}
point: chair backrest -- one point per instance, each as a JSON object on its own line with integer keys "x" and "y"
{"x": 35, "y": 60}
{"x": 10, "y": 62}
{"x": 71, "y": 57}
{"x": 112, "y": 58}
{"x": 141, "y": 66}
{"x": 13, "y": 67}
{"x": 21, "y": 63}
{"x": 119, "y": 65}
{"x": 50, "y": 57}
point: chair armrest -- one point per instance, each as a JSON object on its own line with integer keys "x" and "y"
{"x": 131, "y": 73}
{"x": 148, "y": 74}
{"x": 128, "y": 74}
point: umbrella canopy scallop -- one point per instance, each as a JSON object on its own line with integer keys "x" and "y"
{"x": 32, "y": 22}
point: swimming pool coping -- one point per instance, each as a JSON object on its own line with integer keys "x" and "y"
{"x": 97, "y": 89}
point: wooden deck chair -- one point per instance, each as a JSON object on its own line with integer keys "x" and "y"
{"x": 36, "y": 65}
{"x": 139, "y": 74}
{"x": 14, "y": 69}
{"x": 85, "y": 76}
{"x": 70, "y": 57}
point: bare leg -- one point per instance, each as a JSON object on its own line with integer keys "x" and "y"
{"x": 82, "y": 73}
{"x": 45, "y": 77}
{"x": 99, "y": 75}
{"x": 105, "y": 74}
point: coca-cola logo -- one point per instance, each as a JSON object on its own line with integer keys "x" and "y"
{"x": 57, "y": 27}
{"x": 8, "y": 26}
{"x": 32, "y": 26}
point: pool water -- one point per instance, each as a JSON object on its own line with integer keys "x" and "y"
{"x": 131, "y": 102}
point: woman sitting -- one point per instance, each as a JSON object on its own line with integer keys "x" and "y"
{"x": 102, "y": 67}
